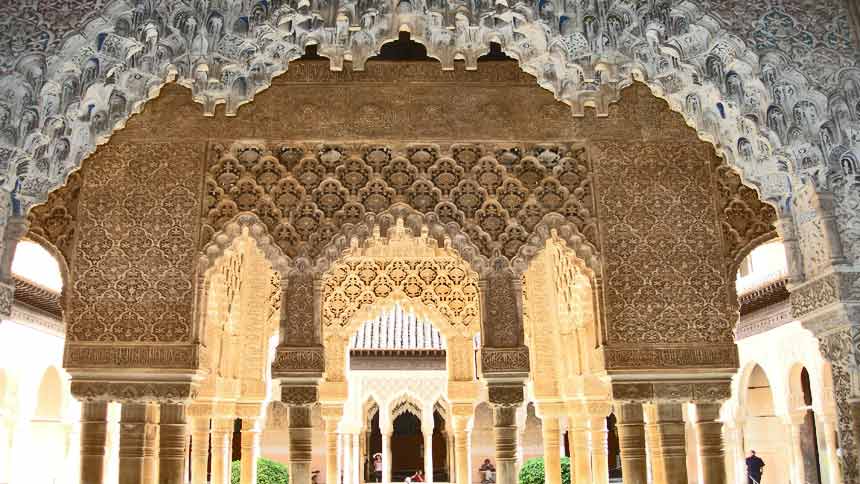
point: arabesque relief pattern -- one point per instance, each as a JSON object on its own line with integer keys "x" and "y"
{"x": 665, "y": 270}
{"x": 787, "y": 89}
{"x": 412, "y": 270}
{"x": 304, "y": 193}
{"x": 133, "y": 272}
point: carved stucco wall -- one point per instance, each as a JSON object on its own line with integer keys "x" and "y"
{"x": 138, "y": 192}
{"x": 767, "y": 81}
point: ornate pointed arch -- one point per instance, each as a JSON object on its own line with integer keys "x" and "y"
{"x": 731, "y": 92}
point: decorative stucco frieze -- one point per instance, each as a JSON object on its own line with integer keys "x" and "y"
{"x": 134, "y": 391}
{"x": 779, "y": 85}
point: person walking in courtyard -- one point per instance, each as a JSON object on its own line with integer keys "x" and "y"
{"x": 754, "y": 468}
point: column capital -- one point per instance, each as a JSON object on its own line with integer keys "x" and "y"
{"x": 331, "y": 411}
{"x": 550, "y": 409}
{"x": 299, "y": 394}
{"x": 600, "y": 409}
{"x": 506, "y": 394}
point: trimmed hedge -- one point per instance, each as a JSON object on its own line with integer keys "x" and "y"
{"x": 532, "y": 472}
{"x": 268, "y": 472}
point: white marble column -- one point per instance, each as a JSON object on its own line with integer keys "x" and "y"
{"x": 222, "y": 440}
{"x": 795, "y": 426}
{"x": 709, "y": 436}
{"x": 356, "y": 460}
{"x": 428, "y": 454}
{"x": 665, "y": 433}
{"x": 331, "y": 417}
{"x": 199, "y": 449}
{"x": 173, "y": 444}
{"x": 462, "y": 421}
{"x": 549, "y": 414}
{"x": 834, "y": 471}
{"x": 598, "y": 436}
{"x": 250, "y": 450}
{"x": 347, "y": 458}
{"x": 138, "y": 440}
{"x": 386, "y": 457}
{"x": 93, "y": 438}
{"x": 427, "y": 426}
{"x": 631, "y": 440}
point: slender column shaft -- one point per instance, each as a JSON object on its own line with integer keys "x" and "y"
{"x": 137, "y": 443}
{"x": 631, "y": 439}
{"x": 222, "y": 440}
{"x": 356, "y": 465}
{"x": 347, "y": 458}
{"x": 798, "y": 470}
{"x": 199, "y": 449}
{"x": 580, "y": 462}
{"x": 331, "y": 437}
{"x": 428, "y": 455}
{"x": 452, "y": 469}
{"x": 551, "y": 456}
{"x": 598, "y": 437}
{"x": 462, "y": 449}
{"x": 709, "y": 433}
{"x": 834, "y": 471}
{"x": 173, "y": 444}
{"x": 505, "y": 430}
{"x": 250, "y": 450}
{"x": 93, "y": 438}
{"x": 386, "y": 458}
{"x": 666, "y": 434}
{"x": 301, "y": 444}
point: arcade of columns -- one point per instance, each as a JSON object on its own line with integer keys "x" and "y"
{"x": 210, "y": 262}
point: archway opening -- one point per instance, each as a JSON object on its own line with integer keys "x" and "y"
{"x": 764, "y": 432}
{"x": 407, "y": 444}
{"x": 441, "y": 463}
{"x": 34, "y": 264}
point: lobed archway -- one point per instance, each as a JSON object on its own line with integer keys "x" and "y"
{"x": 754, "y": 104}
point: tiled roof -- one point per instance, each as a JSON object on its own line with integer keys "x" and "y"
{"x": 397, "y": 329}
{"x": 38, "y": 297}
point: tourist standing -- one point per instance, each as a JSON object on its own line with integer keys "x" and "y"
{"x": 754, "y": 468}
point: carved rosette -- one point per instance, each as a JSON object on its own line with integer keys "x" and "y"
{"x": 167, "y": 392}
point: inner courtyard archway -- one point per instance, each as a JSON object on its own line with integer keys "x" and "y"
{"x": 439, "y": 217}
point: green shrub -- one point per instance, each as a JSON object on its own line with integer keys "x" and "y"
{"x": 268, "y": 472}
{"x": 532, "y": 471}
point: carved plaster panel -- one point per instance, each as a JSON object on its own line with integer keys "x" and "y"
{"x": 665, "y": 276}
{"x": 785, "y": 82}
{"x": 131, "y": 275}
